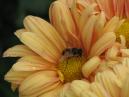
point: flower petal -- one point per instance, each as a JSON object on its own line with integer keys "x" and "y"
{"x": 106, "y": 41}
{"x": 41, "y": 47}
{"x": 99, "y": 90}
{"x": 126, "y": 8}
{"x": 88, "y": 32}
{"x": 39, "y": 83}
{"x": 90, "y": 66}
{"x": 52, "y": 93}
{"x": 107, "y": 7}
{"x": 61, "y": 18}
{"x": 16, "y": 77}
{"x": 78, "y": 86}
{"x": 110, "y": 82}
{"x": 27, "y": 66}
{"x": 88, "y": 94}
{"x": 44, "y": 30}
{"x": 66, "y": 91}
{"x": 18, "y": 51}
{"x": 125, "y": 88}
{"x": 111, "y": 25}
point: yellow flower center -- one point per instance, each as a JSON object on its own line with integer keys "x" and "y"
{"x": 123, "y": 30}
{"x": 70, "y": 68}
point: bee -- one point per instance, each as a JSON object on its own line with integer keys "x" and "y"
{"x": 72, "y": 52}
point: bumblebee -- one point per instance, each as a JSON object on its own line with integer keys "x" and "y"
{"x": 72, "y": 52}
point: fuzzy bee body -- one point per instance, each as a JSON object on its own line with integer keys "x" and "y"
{"x": 72, "y": 52}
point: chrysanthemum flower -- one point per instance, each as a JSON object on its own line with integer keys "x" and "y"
{"x": 75, "y": 56}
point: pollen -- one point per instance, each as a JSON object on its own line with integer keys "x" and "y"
{"x": 70, "y": 68}
{"x": 123, "y": 30}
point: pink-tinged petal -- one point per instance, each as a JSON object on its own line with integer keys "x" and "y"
{"x": 45, "y": 30}
{"x": 119, "y": 7}
{"x": 85, "y": 14}
{"x": 106, "y": 6}
{"x": 16, "y": 77}
{"x": 99, "y": 25}
{"x": 126, "y": 7}
{"x": 87, "y": 33}
{"x": 61, "y": 19}
{"x": 105, "y": 42}
{"x": 39, "y": 83}
{"x": 18, "y": 51}
{"x": 40, "y": 46}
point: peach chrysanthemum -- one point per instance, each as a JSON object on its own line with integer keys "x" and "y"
{"x": 77, "y": 55}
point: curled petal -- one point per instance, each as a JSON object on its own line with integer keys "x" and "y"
{"x": 90, "y": 66}
{"x": 106, "y": 41}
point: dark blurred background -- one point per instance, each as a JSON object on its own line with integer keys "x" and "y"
{"x": 11, "y": 17}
